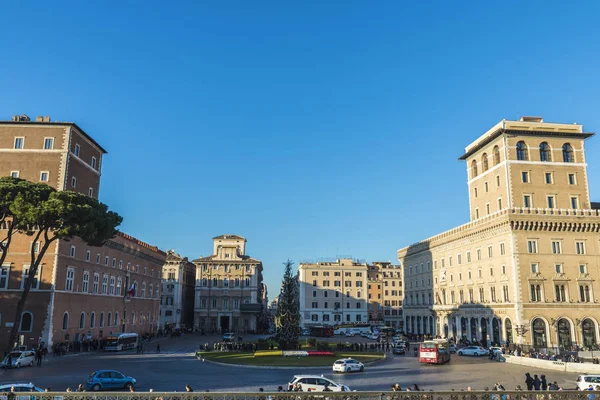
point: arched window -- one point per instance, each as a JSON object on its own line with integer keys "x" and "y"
{"x": 473, "y": 168}
{"x": 522, "y": 153}
{"x": 132, "y": 318}
{"x": 496, "y": 155}
{"x": 143, "y": 289}
{"x": 545, "y": 154}
{"x": 65, "y": 321}
{"x": 82, "y": 320}
{"x": 141, "y": 320}
{"x": 109, "y": 319}
{"x": 568, "y": 153}
{"x": 484, "y": 162}
{"x": 101, "y": 320}
{"x": 151, "y": 291}
{"x": 116, "y": 319}
{"x": 92, "y": 320}
{"x": 26, "y": 322}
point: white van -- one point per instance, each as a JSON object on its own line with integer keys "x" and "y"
{"x": 18, "y": 359}
{"x": 585, "y": 381}
{"x": 316, "y": 383}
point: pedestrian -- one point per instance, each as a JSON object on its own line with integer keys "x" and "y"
{"x": 132, "y": 388}
{"x": 528, "y": 381}
{"x": 69, "y": 390}
{"x": 47, "y": 390}
{"x": 188, "y": 388}
{"x": 518, "y": 388}
{"x": 158, "y": 347}
{"x": 536, "y": 382}
{"x": 416, "y": 388}
{"x": 544, "y": 384}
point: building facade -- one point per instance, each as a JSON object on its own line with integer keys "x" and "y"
{"x": 81, "y": 292}
{"x": 333, "y": 293}
{"x": 178, "y": 287}
{"x": 525, "y": 269}
{"x": 229, "y": 287}
{"x": 385, "y": 294}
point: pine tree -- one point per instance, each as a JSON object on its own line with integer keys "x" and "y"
{"x": 287, "y": 318}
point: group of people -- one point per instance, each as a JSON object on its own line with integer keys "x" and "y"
{"x": 539, "y": 383}
{"x": 398, "y": 388}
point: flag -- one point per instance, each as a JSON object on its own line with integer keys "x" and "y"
{"x": 131, "y": 291}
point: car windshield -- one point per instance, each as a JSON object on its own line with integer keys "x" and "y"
{"x": 339, "y": 362}
{"x": 15, "y": 354}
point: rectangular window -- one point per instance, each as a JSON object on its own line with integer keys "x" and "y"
{"x": 580, "y": 247}
{"x": 505, "y": 294}
{"x": 468, "y": 256}
{"x": 493, "y": 294}
{"x": 574, "y": 202}
{"x": 72, "y": 251}
{"x": 535, "y": 268}
{"x": 560, "y": 293}
{"x": 70, "y": 279}
{"x": 105, "y": 284}
{"x": 98, "y": 258}
{"x": 96, "y": 283}
{"x": 558, "y": 268}
{"x": 475, "y": 192}
{"x": 502, "y": 249}
{"x": 73, "y": 181}
{"x": 315, "y": 273}
{"x": 48, "y": 143}
{"x": 87, "y": 255}
{"x": 111, "y": 289}
{"x": 77, "y": 148}
{"x": 487, "y": 209}
{"x": 314, "y": 293}
{"x": 572, "y": 180}
{"x": 106, "y": 261}
{"x": 527, "y": 201}
{"x": 504, "y": 270}
{"x": 548, "y": 177}
{"x": 214, "y": 303}
{"x": 491, "y": 271}
{"x": 19, "y": 142}
{"x": 120, "y": 285}
{"x": 486, "y": 186}
{"x": 315, "y": 304}
{"x": 490, "y": 252}
{"x": 525, "y": 177}
{"x": 459, "y": 259}
{"x": 550, "y": 201}
{"x": 314, "y": 283}
{"x": 556, "y": 247}
{"x": 499, "y": 204}
{"x": 476, "y": 213}
{"x": 532, "y": 246}
{"x": 91, "y": 192}
{"x": 582, "y": 268}
{"x": 14, "y": 174}
{"x": 44, "y": 176}
{"x": 94, "y": 162}
{"x": 498, "y": 180}
{"x": 479, "y": 254}
{"x": 86, "y": 282}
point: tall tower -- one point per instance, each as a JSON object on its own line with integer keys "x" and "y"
{"x": 527, "y": 163}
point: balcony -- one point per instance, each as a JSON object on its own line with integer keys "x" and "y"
{"x": 250, "y": 308}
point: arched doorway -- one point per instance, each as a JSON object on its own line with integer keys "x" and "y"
{"x": 508, "y": 331}
{"x": 588, "y": 332}
{"x": 564, "y": 333}
{"x": 463, "y": 328}
{"x": 473, "y": 337}
{"x": 539, "y": 333}
{"x": 484, "y": 332}
{"x": 495, "y": 331}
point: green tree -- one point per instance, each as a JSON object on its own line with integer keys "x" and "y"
{"x": 287, "y": 318}
{"x": 60, "y": 215}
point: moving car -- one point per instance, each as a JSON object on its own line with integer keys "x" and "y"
{"x": 109, "y": 379}
{"x": 452, "y": 348}
{"x": 584, "y": 381}
{"x": 349, "y": 333}
{"x": 19, "y": 359}
{"x": 228, "y": 337}
{"x": 20, "y": 387}
{"x": 348, "y": 365}
{"x": 316, "y": 383}
{"x": 399, "y": 350}
{"x": 473, "y": 351}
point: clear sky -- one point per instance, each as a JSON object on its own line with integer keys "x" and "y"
{"x": 311, "y": 128}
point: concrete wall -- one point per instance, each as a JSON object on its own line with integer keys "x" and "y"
{"x": 585, "y": 368}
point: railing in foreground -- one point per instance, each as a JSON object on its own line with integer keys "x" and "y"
{"x": 456, "y": 395}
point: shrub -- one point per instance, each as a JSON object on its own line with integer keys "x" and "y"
{"x": 323, "y": 346}
{"x": 311, "y": 342}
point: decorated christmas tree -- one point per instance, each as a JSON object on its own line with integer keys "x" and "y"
{"x": 287, "y": 318}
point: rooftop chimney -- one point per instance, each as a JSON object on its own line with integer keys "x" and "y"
{"x": 21, "y": 118}
{"x": 42, "y": 118}
{"x": 532, "y": 119}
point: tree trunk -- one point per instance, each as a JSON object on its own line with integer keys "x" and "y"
{"x": 8, "y": 239}
{"x": 33, "y": 268}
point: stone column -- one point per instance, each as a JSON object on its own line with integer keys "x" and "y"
{"x": 469, "y": 333}
{"x": 458, "y": 327}
{"x": 490, "y": 327}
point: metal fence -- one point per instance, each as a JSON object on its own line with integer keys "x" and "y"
{"x": 422, "y": 395}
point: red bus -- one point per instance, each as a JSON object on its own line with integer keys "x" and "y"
{"x": 434, "y": 352}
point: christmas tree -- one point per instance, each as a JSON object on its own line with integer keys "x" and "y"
{"x": 287, "y": 318}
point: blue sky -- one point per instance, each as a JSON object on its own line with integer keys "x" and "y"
{"x": 312, "y": 128}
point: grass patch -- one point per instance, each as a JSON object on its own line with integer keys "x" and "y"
{"x": 279, "y": 361}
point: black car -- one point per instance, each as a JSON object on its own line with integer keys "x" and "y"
{"x": 399, "y": 350}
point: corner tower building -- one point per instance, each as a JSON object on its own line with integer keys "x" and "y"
{"x": 525, "y": 269}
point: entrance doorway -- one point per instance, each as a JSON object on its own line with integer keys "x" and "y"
{"x": 484, "y": 332}
{"x": 496, "y": 332}
{"x": 224, "y": 324}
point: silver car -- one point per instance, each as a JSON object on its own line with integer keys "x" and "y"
{"x": 18, "y": 359}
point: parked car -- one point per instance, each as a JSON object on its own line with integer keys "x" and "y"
{"x": 349, "y": 333}
{"x": 584, "y": 381}
{"x": 109, "y": 379}
{"x": 20, "y": 387}
{"x": 473, "y": 351}
{"x": 348, "y": 365}
{"x": 316, "y": 383}
{"x": 365, "y": 334}
{"x": 399, "y": 350}
{"x": 229, "y": 337}
{"x": 373, "y": 337}
{"x": 18, "y": 359}
{"x": 452, "y": 348}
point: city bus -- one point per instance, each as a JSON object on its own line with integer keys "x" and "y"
{"x": 434, "y": 352}
{"x": 121, "y": 341}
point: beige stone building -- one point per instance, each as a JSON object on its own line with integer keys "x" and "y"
{"x": 177, "y": 294}
{"x": 81, "y": 291}
{"x": 332, "y": 293}
{"x": 525, "y": 269}
{"x": 229, "y": 288}
{"x": 385, "y": 294}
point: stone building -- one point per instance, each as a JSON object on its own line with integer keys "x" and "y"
{"x": 525, "y": 269}
{"x": 178, "y": 286}
{"x": 385, "y": 294}
{"x": 333, "y": 293}
{"x": 81, "y": 292}
{"x": 229, "y": 288}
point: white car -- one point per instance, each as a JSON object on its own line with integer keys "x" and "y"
{"x": 349, "y": 334}
{"x": 18, "y": 359}
{"x": 473, "y": 351}
{"x": 373, "y": 337}
{"x": 584, "y": 381}
{"x": 495, "y": 350}
{"x": 20, "y": 387}
{"x": 316, "y": 383}
{"x": 348, "y": 365}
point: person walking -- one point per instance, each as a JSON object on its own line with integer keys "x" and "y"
{"x": 536, "y": 382}
{"x": 544, "y": 384}
{"x": 158, "y": 347}
{"x": 188, "y": 388}
{"x": 528, "y": 381}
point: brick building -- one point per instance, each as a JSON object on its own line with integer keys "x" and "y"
{"x": 81, "y": 291}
